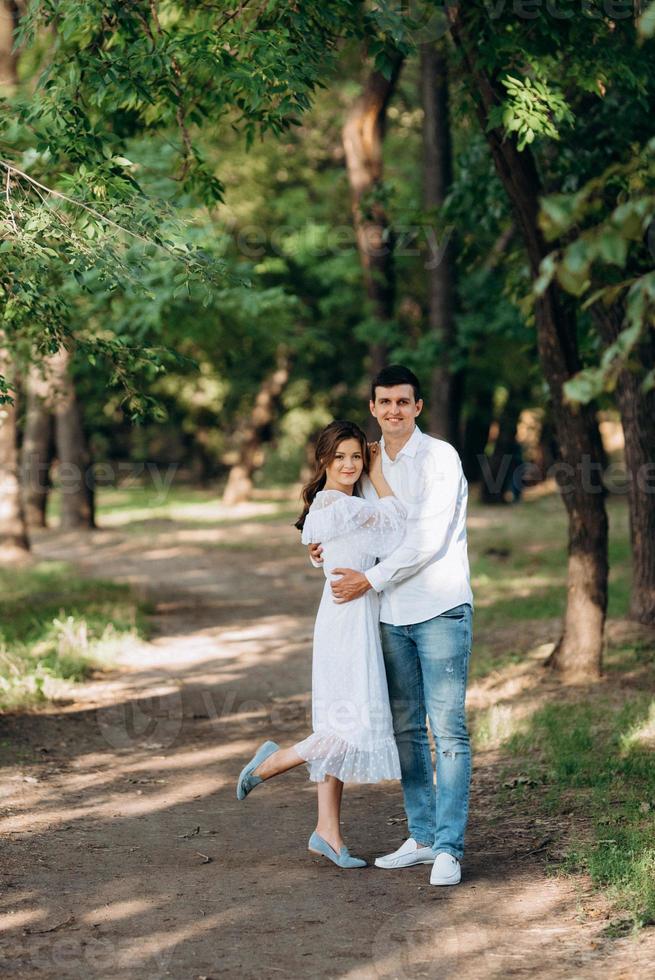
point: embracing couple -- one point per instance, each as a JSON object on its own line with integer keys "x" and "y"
{"x": 392, "y": 639}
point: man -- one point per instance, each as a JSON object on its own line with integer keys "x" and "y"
{"x": 426, "y": 611}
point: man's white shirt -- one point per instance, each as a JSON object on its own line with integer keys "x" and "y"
{"x": 429, "y": 572}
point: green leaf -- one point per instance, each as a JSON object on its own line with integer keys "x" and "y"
{"x": 547, "y": 271}
{"x": 584, "y": 386}
{"x": 557, "y": 214}
{"x": 612, "y": 247}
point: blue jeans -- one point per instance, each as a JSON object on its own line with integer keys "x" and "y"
{"x": 427, "y": 668}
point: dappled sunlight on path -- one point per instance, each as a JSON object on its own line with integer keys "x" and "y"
{"x": 127, "y": 855}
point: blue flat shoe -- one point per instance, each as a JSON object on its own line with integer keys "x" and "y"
{"x": 247, "y": 780}
{"x": 343, "y": 859}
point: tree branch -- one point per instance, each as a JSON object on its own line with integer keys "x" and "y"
{"x": 9, "y": 168}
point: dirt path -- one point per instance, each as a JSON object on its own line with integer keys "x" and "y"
{"x": 126, "y": 854}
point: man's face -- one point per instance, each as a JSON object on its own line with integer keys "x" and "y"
{"x": 396, "y": 409}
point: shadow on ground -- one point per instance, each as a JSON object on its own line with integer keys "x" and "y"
{"x": 126, "y": 853}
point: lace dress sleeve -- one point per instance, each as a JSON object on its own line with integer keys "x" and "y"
{"x": 334, "y": 514}
{"x": 386, "y": 526}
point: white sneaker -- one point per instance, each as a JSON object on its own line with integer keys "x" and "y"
{"x": 407, "y": 855}
{"x": 446, "y": 870}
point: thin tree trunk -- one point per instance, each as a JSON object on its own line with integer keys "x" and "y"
{"x": 638, "y": 417}
{"x": 74, "y": 471}
{"x": 37, "y": 449}
{"x": 363, "y": 135}
{"x": 8, "y": 57}
{"x": 437, "y": 178}
{"x": 500, "y": 467}
{"x": 578, "y": 656}
{"x": 262, "y": 417}
{"x": 14, "y": 543}
{"x": 475, "y": 434}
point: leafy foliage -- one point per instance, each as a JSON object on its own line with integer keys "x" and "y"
{"x": 533, "y": 107}
{"x": 73, "y": 199}
{"x": 583, "y": 81}
{"x": 148, "y": 143}
{"x": 612, "y": 219}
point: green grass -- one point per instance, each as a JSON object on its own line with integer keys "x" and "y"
{"x": 595, "y": 759}
{"x": 55, "y": 626}
{"x": 518, "y": 571}
{"x": 582, "y": 764}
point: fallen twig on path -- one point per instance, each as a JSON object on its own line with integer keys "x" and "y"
{"x": 193, "y": 833}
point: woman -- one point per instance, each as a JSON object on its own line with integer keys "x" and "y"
{"x": 352, "y": 739}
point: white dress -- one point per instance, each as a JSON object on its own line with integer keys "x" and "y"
{"x": 351, "y": 718}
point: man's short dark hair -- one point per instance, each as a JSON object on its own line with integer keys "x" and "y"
{"x": 395, "y": 374}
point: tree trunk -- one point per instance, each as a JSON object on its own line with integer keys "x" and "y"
{"x": 500, "y": 468}
{"x": 638, "y": 417}
{"x": 475, "y": 434}
{"x": 74, "y": 470}
{"x": 264, "y": 411}
{"x": 14, "y": 544}
{"x": 362, "y": 135}
{"x": 437, "y": 178}
{"x": 37, "y": 450}
{"x": 8, "y": 57}
{"x": 578, "y": 656}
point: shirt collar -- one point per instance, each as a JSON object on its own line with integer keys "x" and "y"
{"x": 411, "y": 446}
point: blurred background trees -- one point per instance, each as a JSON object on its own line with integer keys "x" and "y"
{"x": 218, "y": 220}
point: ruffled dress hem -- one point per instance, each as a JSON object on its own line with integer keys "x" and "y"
{"x": 327, "y": 754}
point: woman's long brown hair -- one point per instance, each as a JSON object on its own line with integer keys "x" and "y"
{"x": 326, "y": 449}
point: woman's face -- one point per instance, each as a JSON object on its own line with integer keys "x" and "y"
{"x": 346, "y": 468}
